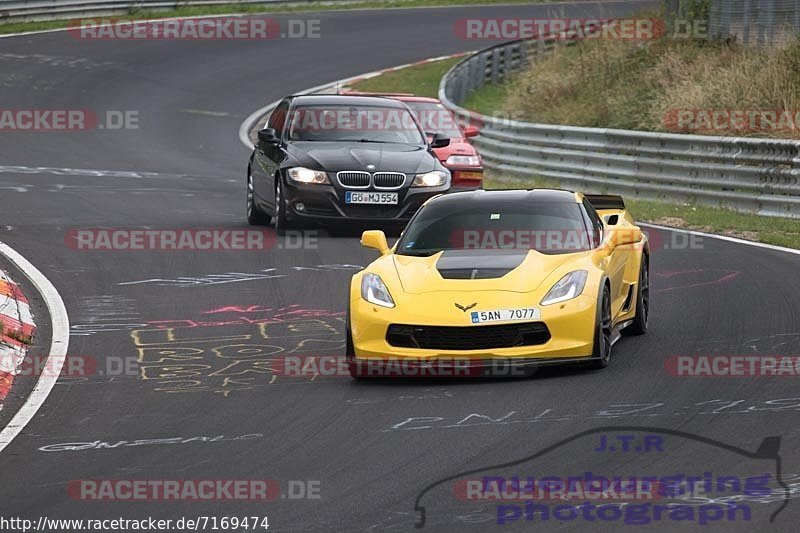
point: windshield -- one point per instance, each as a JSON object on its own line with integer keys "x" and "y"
{"x": 435, "y": 118}
{"x": 354, "y": 123}
{"x": 547, "y": 227}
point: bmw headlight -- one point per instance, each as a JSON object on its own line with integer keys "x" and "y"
{"x": 374, "y": 291}
{"x": 306, "y": 175}
{"x": 430, "y": 179}
{"x": 463, "y": 161}
{"x": 569, "y": 287}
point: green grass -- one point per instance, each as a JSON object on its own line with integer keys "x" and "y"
{"x": 770, "y": 230}
{"x": 422, "y": 80}
{"x": 488, "y": 100}
{"x": 233, "y": 8}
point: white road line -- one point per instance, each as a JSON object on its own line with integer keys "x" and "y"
{"x": 206, "y": 112}
{"x": 58, "y": 346}
{"x": 725, "y": 238}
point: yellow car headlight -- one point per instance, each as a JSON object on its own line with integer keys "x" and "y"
{"x": 374, "y": 291}
{"x": 569, "y": 287}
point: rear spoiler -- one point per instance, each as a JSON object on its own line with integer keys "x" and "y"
{"x": 605, "y": 201}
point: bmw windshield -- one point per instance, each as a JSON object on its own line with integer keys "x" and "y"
{"x": 355, "y": 123}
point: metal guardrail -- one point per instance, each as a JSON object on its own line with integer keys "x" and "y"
{"x": 746, "y": 174}
{"x": 39, "y": 10}
{"x": 755, "y": 22}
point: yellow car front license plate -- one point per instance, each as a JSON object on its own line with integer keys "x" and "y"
{"x": 504, "y": 315}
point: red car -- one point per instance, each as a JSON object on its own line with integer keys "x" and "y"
{"x": 459, "y": 156}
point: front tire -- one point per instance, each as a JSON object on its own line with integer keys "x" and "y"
{"x": 601, "y": 353}
{"x": 255, "y": 217}
{"x": 639, "y": 324}
{"x": 281, "y": 220}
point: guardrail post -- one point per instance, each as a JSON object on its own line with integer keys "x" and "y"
{"x": 508, "y": 59}
{"x": 523, "y": 55}
{"x": 474, "y": 75}
{"x": 494, "y": 64}
{"x": 481, "y": 74}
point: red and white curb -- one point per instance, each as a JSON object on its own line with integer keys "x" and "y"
{"x": 369, "y": 75}
{"x": 16, "y": 331}
{"x": 59, "y": 343}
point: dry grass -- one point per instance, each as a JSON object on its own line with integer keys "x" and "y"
{"x": 630, "y": 85}
{"x": 20, "y": 337}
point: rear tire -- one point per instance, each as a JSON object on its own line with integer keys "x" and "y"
{"x": 601, "y": 352}
{"x": 639, "y": 324}
{"x": 255, "y": 216}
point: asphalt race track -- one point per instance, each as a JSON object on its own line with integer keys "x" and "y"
{"x": 370, "y": 448}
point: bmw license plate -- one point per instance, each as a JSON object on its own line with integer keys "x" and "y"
{"x": 386, "y": 198}
{"x": 504, "y": 315}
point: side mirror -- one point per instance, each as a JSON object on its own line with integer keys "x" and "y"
{"x": 621, "y": 237}
{"x": 375, "y": 238}
{"x": 267, "y": 136}
{"x": 471, "y": 131}
{"x": 440, "y": 141}
{"x": 611, "y": 220}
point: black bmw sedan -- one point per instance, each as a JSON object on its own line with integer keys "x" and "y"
{"x": 335, "y": 157}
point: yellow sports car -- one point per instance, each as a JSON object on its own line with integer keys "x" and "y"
{"x": 490, "y": 282}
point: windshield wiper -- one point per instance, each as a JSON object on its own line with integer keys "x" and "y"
{"x": 376, "y": 141}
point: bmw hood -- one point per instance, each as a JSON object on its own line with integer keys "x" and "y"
{"x": 477, "y": 270}
{"x": 386, "y": 157}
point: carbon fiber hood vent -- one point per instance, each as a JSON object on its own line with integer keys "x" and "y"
{"x": 478, "y": 264}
